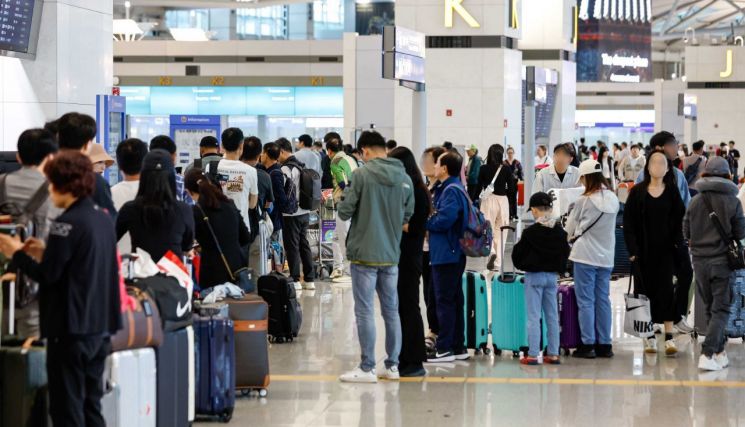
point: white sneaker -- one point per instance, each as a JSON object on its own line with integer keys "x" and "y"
{"x": 722, "y": 359}
{"x": 359, "y": 376}
{"x": 682, "y": 327}
{"x": 650, "y": 345}
{"x": 390, "y": 374}
{"x": 336, "y": 273}
{"x": 298, "y": 286}
{"x": 309, "y": 286}
{"x": 657, "y": 329}
{"x": 670, "y": 348}
{"x": 708, "y": 364}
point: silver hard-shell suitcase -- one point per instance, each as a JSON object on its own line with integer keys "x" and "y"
{"x": 129, "y": 389}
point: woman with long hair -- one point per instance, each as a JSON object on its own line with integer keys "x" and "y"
{"x": 517, "y": 172}
{"x": 155, "y": 220}
{"x": 413, "y": 352}
{"x": 591, "y": 228}
{"x": 497, "y": 185}
{"x": 606, "y": 162}
{"x": 210, "y": 204}
{"x": 429, "y": 159}
{"x": 653, "y": 228}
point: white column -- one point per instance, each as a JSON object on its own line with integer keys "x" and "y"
{"x": 74, "y": 63}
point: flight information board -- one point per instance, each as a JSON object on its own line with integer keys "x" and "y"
{"x": 18, "y": 29}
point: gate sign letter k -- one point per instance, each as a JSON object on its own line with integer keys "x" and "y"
{"x": 455, "y": 5}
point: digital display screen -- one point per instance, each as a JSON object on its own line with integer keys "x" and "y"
{"x": 615, "y": 41}
{"x": 399, "y": 66}
{"x": 19, "y": 27}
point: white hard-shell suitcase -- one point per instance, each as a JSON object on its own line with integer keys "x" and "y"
{"x": 129, "y": 389}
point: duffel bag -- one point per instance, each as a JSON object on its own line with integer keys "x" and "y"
{"x": 141, "y": 327}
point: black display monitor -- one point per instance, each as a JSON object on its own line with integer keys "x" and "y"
{"x": 19, "y": 27}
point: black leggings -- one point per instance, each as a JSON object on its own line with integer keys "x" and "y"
{"x": 412, "y": 327}
{"x": 429, "y": 295}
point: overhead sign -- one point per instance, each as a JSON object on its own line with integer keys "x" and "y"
{"x": 403, "y": 40}
{"x": 399, "y": 66}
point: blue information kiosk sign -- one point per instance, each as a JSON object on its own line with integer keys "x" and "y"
{"x": 187, "y": 131}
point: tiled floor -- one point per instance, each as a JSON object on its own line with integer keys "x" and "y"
{"x": 630, "y": 390}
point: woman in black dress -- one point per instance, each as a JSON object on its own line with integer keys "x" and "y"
{"x": 413, "y": 352}
{"x": 653, "y": 228}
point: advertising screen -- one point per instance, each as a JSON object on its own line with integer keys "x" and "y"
{"x": 19, "y": 27}
{"x": 615, "y": 41}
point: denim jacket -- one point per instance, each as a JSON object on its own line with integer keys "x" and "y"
{"x": 445, "y": 226}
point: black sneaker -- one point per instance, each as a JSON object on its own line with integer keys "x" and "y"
{"x": 604, "y": 350}
{"x": 462, "y": 354}
{"x": 437, "y": 357}
{"x": 490, "y": 264}
{"x": 584, "y": 352}
{"x": 412, "y": 370}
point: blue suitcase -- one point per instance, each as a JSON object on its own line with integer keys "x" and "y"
{"x": 215, "y": 366}
{"x": 476, "y": 311}
{"x": 736, "y": 323}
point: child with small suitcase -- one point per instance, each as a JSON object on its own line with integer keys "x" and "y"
{"x": 542, "y": 253}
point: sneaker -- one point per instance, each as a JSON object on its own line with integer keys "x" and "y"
{"x": 490, "y": 264}
{"x": 462, "y": 354}
{"x": 527, "y": 360}
{"x": 657, "y": 329}
{"x": 683, "y": 327}
{"x": 650, "y": 345}
{"x": 437, "y": 357}
{"x": 390, "y": 374}
{"x": 552, "y": 360}
{"x": 584, "y": 352}
{"x": 309, "y": 286}
{"x": 670, "y": 348}
{"x": 706, "y": 363}
{"x": 298, "y": 286}
{"x": 415, "y": 370}
{"x": 722, "y": 359}
{"x": 336, "y": 273}
{"x": 359, "y": 376}
{"x": 604, "y": 350}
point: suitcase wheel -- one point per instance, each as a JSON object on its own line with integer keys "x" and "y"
{"x": 516, "y": 354}
{"x": 263, "y": 392}
{"x": 226, "y": 416}
{"x": 245, "y": 392}
{"x": 497, "y": 351}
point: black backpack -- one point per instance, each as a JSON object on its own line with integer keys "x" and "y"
{"x": 692, "y": 170}
{"x": 174, "y": 302}
{"x": 310, "y": 186}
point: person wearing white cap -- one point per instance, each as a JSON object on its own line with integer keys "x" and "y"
{"x": 591, "y": 227}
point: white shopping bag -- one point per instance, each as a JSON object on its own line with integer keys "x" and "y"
{"x": 638, "y": 318}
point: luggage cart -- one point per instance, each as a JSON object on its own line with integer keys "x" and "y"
{"x": 321, "y": 233}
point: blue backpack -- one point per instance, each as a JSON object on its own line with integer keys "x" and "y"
{"x": 477, "y": 232}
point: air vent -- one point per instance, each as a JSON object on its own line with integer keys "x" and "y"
{"x": 118, "y": 59}
{"x": 255, "y": 59}
{"x": 328, "y": 59}
{"x": 468, "y": 42}
{"x": 183, "y": 59}
{"x": 192, "y": 70}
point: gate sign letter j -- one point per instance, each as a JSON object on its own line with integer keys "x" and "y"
{"x": 455, "y": 5}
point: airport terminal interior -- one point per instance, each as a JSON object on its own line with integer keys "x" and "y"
{"x": 372, "y": 213}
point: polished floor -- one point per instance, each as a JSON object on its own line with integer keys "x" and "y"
{"x": 632, "y": 389}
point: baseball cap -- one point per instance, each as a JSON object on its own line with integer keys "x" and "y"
{"x": 717, "y": 166}
{"x": 540, "y": 200}
{"x": 588, "y": 167}
{"x": 157, "y": 160}
{"x": 473, "y": 147}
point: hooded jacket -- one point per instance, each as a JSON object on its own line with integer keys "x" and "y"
{"x": 705, "y": 241}
{"x": 596, "y": 246}
{"x": 445, "y": 226}
{"x": 379, "y": 201}
{"x": 542, "y": 247}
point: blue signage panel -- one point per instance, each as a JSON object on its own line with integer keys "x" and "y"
{"x": 221, "y": 100}
{"x": 270, "y": 101}
{"x": 199, "y": 120}
{"x": 173, "y": 100}
{"x": 138, "y": 99}
{"x": 319, "y": 101}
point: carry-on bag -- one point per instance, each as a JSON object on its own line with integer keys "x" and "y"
{"x": 174, "y": 301}
{"x": 129, "y": 398}
{"x": 141, "y": 327}
{"x": 215, "y": 363}
{"x": 285, "y": 313}
{"x": 509, "y": 315}
{"x": 637, "y": 321}
{"x": 250, "y": 317}
{"x": 569, "y": 335}
{"x": 621, "y": 262}
{"x": 736, "y": 323}
{"x": 173, "y": 378}
{"x": 476, "y": 311}
{"x": 23, "y": 383}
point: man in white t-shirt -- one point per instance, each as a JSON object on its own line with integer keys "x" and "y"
{"x": 242, "y": 185}
{"x": 130, "y": 154}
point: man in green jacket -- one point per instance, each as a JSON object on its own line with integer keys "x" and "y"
{"x": 472, "y": 171}
{"x": 342, "y": 167}
{"x": 379, "y": 201}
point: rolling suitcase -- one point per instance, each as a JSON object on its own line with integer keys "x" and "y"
{"x": 129, "y": 398}
{"x": 569, "y": 335}
{"x": 215, "y": 366}
{"x": 476, "y": 311}
{"x": 173, "y": 378}
{"x": 736, "y": 323}
{"x": 509, "y": 318}
{"x": 23, "y": 384}
{"x": 250, "y": 319}
{"x": 285, "y": 313}
{"x": 621, "y": 261}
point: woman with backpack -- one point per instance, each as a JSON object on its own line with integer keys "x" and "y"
{"x": 652, "y": 224}
{"x": 496, "y": 185}
{"x": 710, "y": 240}
{"x": 591, "y": 228}
{"x": 217, "y": 222}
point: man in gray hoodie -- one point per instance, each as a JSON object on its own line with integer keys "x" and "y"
{"x": 379, "y": 201}
{"x": 717, "y": 193}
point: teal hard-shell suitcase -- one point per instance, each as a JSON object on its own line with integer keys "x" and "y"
{"x": 476, "y": 311}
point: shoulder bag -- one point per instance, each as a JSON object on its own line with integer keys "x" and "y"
{"x": 735, "y": 256}
{"x": 490, "y": 188}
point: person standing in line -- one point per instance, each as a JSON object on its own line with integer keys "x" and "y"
{"x": 609, "y": 171}
{"x": 734, "y": 155}
{"x": 209, "y": 152}
{"x": 326, "y": 179}
{"x": 296, "y": 220}
{"x": 591, "y": 228}
{"x": 130, "y": 154}
{"x": 445, "y": 228}
{"x": 242, "y": 186}
{"x": 542, "y": 158}
{"x": 560, "y": 174}
{"x": 305, "y": 154}
{"x": 693, "y": 166}
{"x": 472, "y": 172}
{"x": 342, "y": 168}
{"x": 516, "y": 168}
{"x": 717, "y": 195}
{"x": 390, "y": 145}
{"x": 250, "y": 156}
{"x": 379, "y": 202}
{"x": 78, "y": 275}
{"x": 652, "y": 225}
{"x": 632, "y": 165}
{"x": 270, "y": 161}
{"x": 100, "y": 158}
{"x": 164, "y": 142}
{"x": 496, "y": 185}
{"x": 429, "y": 159}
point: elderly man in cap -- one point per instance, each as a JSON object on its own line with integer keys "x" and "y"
{"x": 472, "y": 171}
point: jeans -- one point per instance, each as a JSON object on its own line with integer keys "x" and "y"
{"x": 297, "y": 248}
{"x": 341, "y": 232}
{"x": 447, "y": 281}
{"x": 540, "y": 293}
{"x": 713, "y": 280}
{"x": 366, "y": 280}
{"x": 592, "y": 286}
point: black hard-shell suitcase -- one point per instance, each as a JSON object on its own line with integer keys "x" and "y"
{"x": 285, "y": 313}
{"x": 173, "y": 383}
{"x": 23, "y": 384}
{"x": 250, "y": 318}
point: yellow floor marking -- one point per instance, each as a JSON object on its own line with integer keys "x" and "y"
{"x": 530, "y": 380}
{"x": 616, "y": 382}
{"x": 304, "y": 378}
{"x": 445, "y": 379}
{"x": 486, "y": 380}
{"x": 573, "y": 381}
{"x": 412, "y": 380}
{"x": 660, "y": 383}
